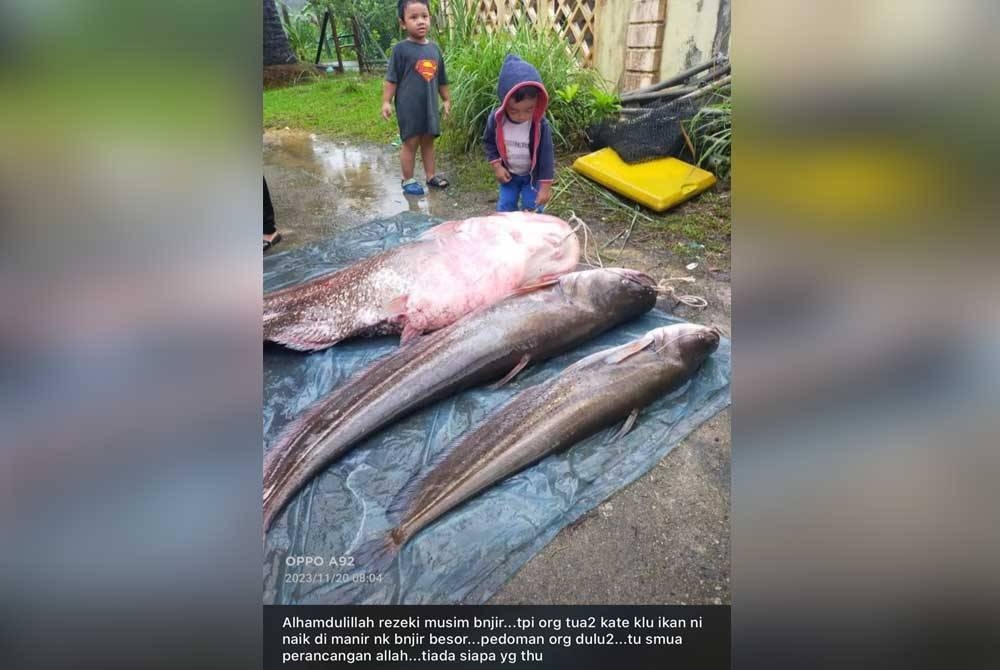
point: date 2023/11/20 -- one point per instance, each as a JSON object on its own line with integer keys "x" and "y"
{"x": 335, "y": 577}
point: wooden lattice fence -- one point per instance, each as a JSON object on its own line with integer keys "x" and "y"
{"x": 575, "y": 20}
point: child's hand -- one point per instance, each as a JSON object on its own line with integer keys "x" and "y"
{"x": 501, "y": 173}
{"x": 544, "y": 193}
{"x": 447, "y": 107}
{"x": 386, "y": 110}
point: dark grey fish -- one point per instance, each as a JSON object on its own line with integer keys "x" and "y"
{"x": 484, "y": 346}
{"x": 594, "y": 393}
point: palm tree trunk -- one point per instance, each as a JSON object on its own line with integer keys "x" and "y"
{"x": 276, "y": 48}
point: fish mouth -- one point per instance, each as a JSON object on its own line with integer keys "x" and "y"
{"x": 638, "y": 277}
{"x": 713, "y": 336}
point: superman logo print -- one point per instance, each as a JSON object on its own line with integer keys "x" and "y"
{"x": 426, "y": 68}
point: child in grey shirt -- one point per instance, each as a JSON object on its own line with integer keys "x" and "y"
{"x": 415, "y": 76}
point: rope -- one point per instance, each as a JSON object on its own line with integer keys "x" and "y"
{"x": 690, "y": 300}
{"x": 586, "y": 240}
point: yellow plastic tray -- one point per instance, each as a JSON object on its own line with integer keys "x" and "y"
{"x": 658, "y": 184}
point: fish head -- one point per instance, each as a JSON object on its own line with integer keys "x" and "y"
{"x": 551, "y": 247}
{"x": 621, "y": 292}
{"x": 690, "y": 342}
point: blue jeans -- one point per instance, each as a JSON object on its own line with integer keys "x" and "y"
{"x": 518, "y": 187}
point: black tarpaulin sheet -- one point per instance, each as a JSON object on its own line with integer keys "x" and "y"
{"x": 469, "y": 553}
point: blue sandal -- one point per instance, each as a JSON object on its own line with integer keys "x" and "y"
{"x": 412, "y": 187}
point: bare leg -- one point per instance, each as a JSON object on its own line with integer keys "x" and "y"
{"x": 427, "y": 154}
{"x": 408, "y": 156}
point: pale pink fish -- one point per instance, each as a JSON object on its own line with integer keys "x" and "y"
{"x": 451, "y": 270}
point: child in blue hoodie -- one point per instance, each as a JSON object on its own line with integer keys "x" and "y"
{"x": 518, "y": 140}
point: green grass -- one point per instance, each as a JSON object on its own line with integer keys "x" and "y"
{"x": 691, "y": 230}
{"x": 470, "y": 172}
{"x": 711, "y": 130}
{"x": 701, "y": 223}
{"x": 344, "y": 106}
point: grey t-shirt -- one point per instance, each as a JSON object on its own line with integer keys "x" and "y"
{"x": 417, "y": 70}
{"x": 517, "y": 138}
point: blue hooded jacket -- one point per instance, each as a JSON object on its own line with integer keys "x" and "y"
{"x": 514, "y": 74}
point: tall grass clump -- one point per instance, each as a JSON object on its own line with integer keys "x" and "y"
{"x": 711, "y": 133}
{"x": 578, "y": 97}
{"x": 453, "y": 23}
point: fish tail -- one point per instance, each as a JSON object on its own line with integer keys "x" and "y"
{"x": 373, "y": 562}
{"x": 280, "y": 465}
{"x": 278, "y": 472}
{"x": 379, "y": 554}
{"x": 295, "y": 458}
{"x": 274, "y": 502}
{"x": 270, "y": 511}
{"x": 283, "y": 323}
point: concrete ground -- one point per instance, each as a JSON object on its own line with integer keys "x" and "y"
{"x": 662, "y": 540}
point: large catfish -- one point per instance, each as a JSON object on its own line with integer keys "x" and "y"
{"x": 449, "y": 271}
{"x": 593, "y": 393}
{"x": 483, "y": 346}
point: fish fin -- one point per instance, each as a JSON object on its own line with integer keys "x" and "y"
{"x": 374, "y": 557}
{"x": 409, "y": 333}
{"x": 396, "y": 306}
{"x": 631, "y": 349}
{"x": 629, "y": 423}
{"x": 530, "y": 288}
{"x": 400, "y": 502}
{"x": 523, "y": 363}
{"x": 551, "y": 279}
{"x": 416, "y": 487}
{"x": 308, "y": 347}
{"x": 303, "y": 338}
{"x": 379, "y": 554}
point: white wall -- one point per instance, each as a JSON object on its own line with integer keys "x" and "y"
{"x": 688, "y": 34}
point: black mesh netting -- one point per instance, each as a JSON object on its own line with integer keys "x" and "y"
{"x": 655, "y": 134}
